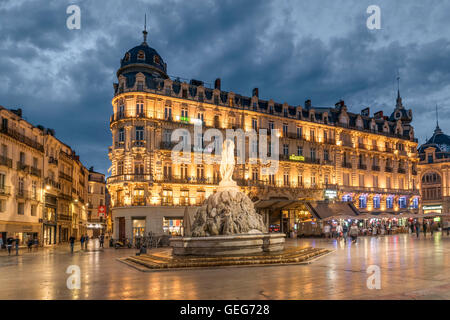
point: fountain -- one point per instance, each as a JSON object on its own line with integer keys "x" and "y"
{"x": 227, "y": 223}
{"x": 226, "y": 231}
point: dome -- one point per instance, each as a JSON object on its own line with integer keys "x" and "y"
{"x": 143, "y": 58}
{"x": 440, "y": 141}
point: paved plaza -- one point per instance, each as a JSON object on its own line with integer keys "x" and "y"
{"x": 410, "y": 269}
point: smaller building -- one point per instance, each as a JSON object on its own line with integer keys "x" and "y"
{"x": 97, "y": 209}
{"x": 434, "y": 169}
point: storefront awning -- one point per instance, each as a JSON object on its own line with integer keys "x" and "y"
{"x": 336, "y": 210}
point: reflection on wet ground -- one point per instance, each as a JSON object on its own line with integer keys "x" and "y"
{"x": 410, "y": 269}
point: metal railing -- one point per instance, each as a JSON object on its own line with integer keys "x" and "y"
{"x": 21, "y": 138}
{"x": 4, "y": 161}
{"x": 65, "y": 176}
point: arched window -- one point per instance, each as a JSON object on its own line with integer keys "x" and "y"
{"x": 156, "y": 59}
{"x": 127, "y": 57}
{"x": 141, "y": 55}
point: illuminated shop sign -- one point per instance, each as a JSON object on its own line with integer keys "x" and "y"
{"x": 331, "y": 194}
{"x": 438, "y": 207}
{"x": 296, "y": 158}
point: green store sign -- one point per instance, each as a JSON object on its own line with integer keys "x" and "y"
{"x": 296, "y": 158}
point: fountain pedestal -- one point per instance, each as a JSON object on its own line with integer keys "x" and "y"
{"x": 225, "y": 245}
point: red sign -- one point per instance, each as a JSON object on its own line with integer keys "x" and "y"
{"x": 102, "y": 211}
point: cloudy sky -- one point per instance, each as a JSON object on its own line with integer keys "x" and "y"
{"x": 291, "y": 50}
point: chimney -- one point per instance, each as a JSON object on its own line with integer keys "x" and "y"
{"x": 340, "y": 104}
{"x": 217, "y": 84}
{"x": 308, "y": 104}
{"x": 255, "y": 92}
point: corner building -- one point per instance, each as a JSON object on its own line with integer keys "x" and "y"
{"x": 434, "y": 169}
{"x": 325, "y": 153}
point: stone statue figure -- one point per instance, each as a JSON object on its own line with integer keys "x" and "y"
{"x": 227, "y": 166}
{"x": 228, "y": 211}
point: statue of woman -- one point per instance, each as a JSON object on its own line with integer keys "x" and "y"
{"x": 227, "y": 162}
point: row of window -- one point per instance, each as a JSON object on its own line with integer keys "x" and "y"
{"x": 402, "y": 202}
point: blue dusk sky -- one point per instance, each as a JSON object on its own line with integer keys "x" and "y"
{"x": 292, "y": 50}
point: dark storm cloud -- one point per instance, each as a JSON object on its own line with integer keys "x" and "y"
{"x": 291, "y": 50}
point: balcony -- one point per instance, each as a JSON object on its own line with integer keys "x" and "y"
{"x": 375, "y": 168}
{"x": 402, "y": 152}
{"x": 401, "y": 170}
{"x": 130, "y": 178}
{"x": 188, "y": 180}
{"x": 35, "y": 172}
{"x": 64, "y": 217}
{"x": 96, "y": 179}
{"x": 65, "y": 155}
{"x": 64, "y": 176}
{"x": 52, "y": 183}
{"x": 23, "y": 194}
{"x": 139, "y": 143}
{"x": 347, "y": 144}
{"x": 4, "y": 161}
{"x": 5, "y": 191}
{"x": 21, "y": 138}
{"x": 388, "y": 169}
{"x": 22, "y": 167}
{"x": 362, "y": 166}
{"x": 65, "y": 196}
{"x": 347, "y": 165}
{"x": 362, "y": 146}
{"x": 53, "y": 161}
{"x": 167, "y": 145}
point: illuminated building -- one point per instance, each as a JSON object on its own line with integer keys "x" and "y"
{"x": 368, "y": 160}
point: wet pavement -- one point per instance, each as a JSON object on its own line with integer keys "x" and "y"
{"x": 410, "y": 268}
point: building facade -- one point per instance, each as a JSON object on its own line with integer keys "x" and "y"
{"x": 325, "y": 153}
{"x": 434, "y": 168}
{"x": 43, "y": 184}
{"x": 97, "y": 209}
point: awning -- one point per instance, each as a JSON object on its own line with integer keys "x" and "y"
{"x": 337, "y": 210}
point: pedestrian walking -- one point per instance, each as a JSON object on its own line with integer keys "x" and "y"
{"x": 102, "y": 240}
{"x": 339, "y": 231}
{"x": 17, "y": 245}
{"x": 424, "y": 226}
{"x": 354, "y": 232}
{"x": 36, "y": 243}
{"x": 72, "y": 243}
{"x": 82, "y": 239}
{"x": 30, "y": 245}
{"x": 326, "y": 230}
{"x": 345, "y": 231}
{"x": 9, "y": 243}
{"x": 86, "y": 240}
{"x": 1, "y": 242}
{"x": 432, "y": 228}
{"x": 417, "y": 225}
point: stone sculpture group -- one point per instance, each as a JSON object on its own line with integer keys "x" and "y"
{"x": 228, "y": 211}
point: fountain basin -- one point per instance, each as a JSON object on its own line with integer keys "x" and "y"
{"x": 239, "y": 244}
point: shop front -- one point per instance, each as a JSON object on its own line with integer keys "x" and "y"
{"x": 21, "y": 230}
{"x": 432, "y": 209}
{"x": 49, "y": 220}
{"x": 94, "y": 230}
{"x": 173, "y": 226}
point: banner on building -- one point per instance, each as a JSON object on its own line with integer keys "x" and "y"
{"x": 102, "y": 211}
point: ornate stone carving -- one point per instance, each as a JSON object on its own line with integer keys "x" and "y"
{"x": 228, "y": 211}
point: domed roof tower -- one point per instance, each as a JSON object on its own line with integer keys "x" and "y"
{"x": 144, "y": 59}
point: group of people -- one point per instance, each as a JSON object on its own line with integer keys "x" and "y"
{"x": 84, "y": 240}
{"x": 342, "y": 231}
{"x": 11, "y": 242}
{"x": 428, "y": 225}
